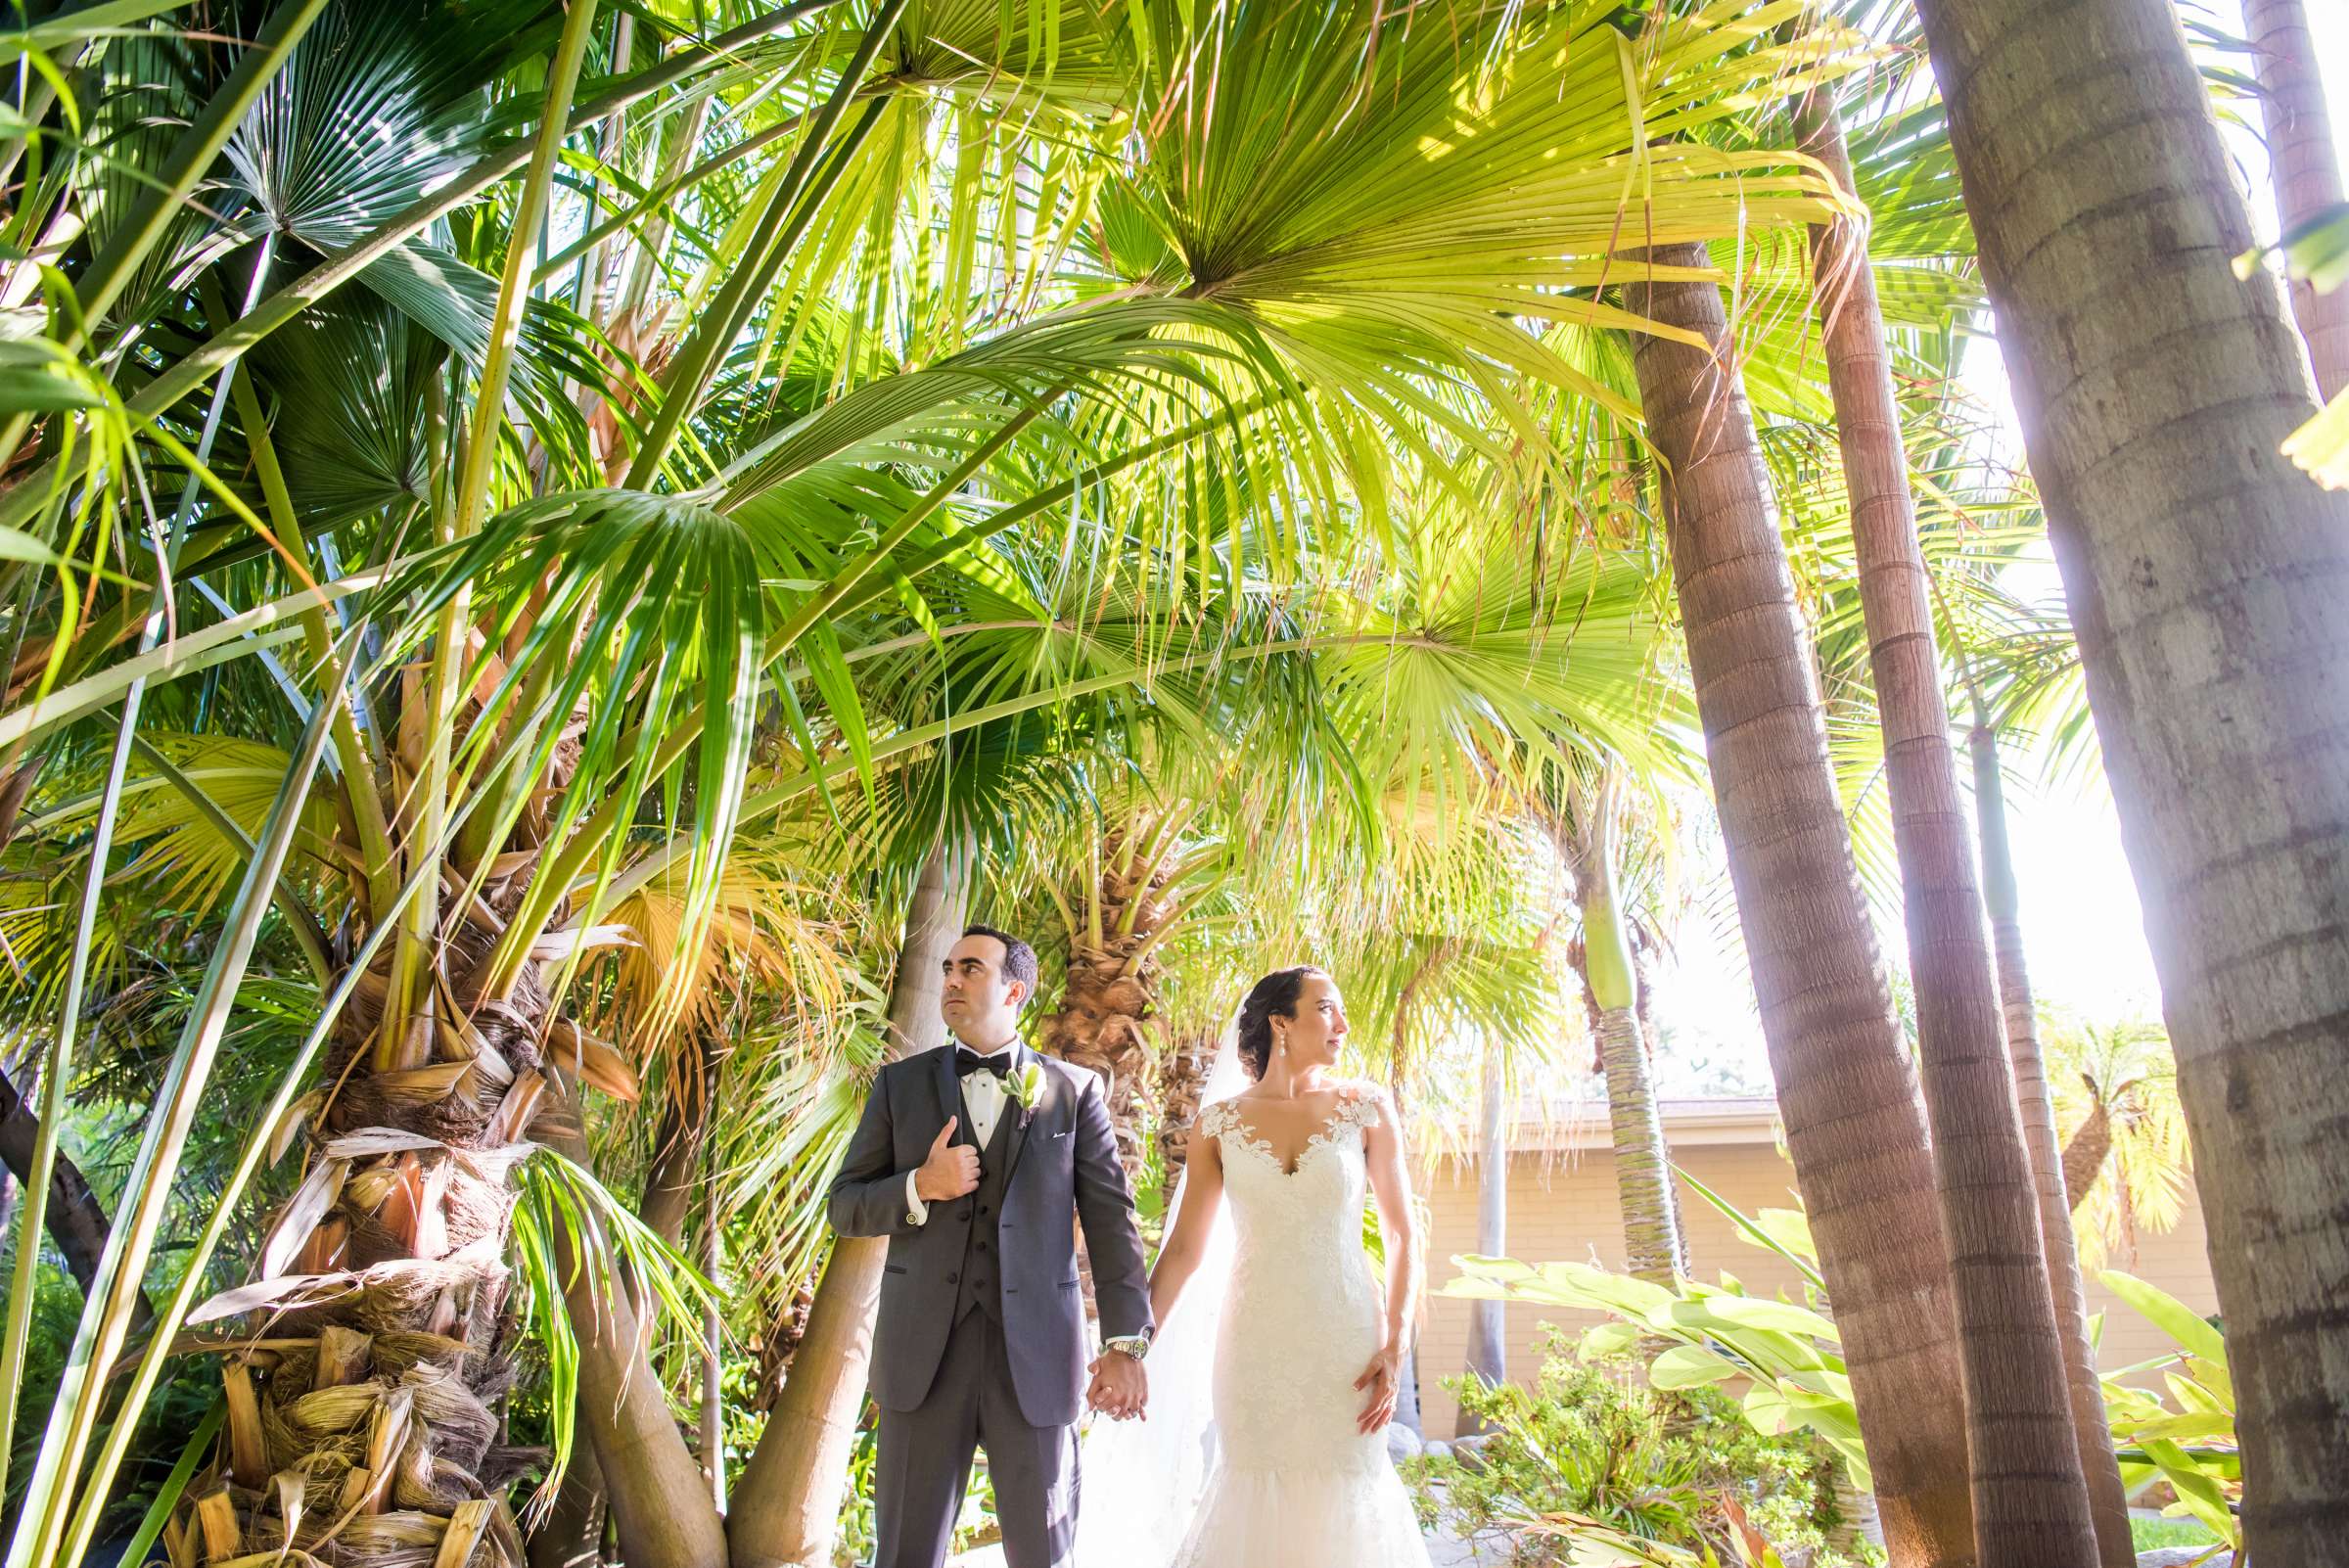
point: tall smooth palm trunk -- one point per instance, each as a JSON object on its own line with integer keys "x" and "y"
{"x": 1654, "y": 1248}
{"x": 787, "y": 1508}
{"x": 2307, "y": 165}
{"x": 2034, "y": 1441}
{"x": 1846, "y": 1091}
{"x": 1488, "y": 1320}
{"x": 2205, "y": 578}
{"x": 2050, "y": 1161}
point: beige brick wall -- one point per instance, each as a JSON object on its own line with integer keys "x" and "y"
{"x": 1562, "y": 1205}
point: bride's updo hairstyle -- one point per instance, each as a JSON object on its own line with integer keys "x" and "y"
{"x": 1276, "y": 992}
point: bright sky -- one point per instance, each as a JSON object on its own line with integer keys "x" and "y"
{"x": 2082, "y": 920}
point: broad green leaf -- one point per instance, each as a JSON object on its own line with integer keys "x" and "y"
{"x": 2167, "y": 1314}
{"x": 1690, "y": 1367}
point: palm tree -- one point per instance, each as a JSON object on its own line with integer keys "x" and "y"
{"x": 1589, "y": 836}
{"x": 1142, "y": 871}
{"x": 2201, "y": 572}
{"x": 2115, "y": 1083}
{"x": 1846, "y": 1091}
{"x": 2307, "y": 168}
{"x": 2024, "y": 1377}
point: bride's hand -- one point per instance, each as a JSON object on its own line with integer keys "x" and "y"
{"x": 1383, "y": 1378}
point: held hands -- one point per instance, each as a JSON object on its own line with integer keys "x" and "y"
{"x": 1383, "y": 1378}
{"x": 950, "y": 1171}
{"x": 1120, "y": 1388}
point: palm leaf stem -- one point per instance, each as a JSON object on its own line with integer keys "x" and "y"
{"x": 159, "y": 1346}
{"x": 443, "y": 689}
{"x": 351, "y": 758}
{"x": 793, "y": 207}
{"x": 58, "y": 1072}
{"x": 106, "y": 1316}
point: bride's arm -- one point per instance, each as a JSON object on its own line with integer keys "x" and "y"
{"x": 1398, "y": 1226}
{"x": 1202, "y": 1194}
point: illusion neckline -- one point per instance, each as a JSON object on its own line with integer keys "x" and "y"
{"x": 1345, "y": 1114}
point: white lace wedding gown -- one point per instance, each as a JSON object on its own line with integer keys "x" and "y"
{"x": 1291, "y": 1482}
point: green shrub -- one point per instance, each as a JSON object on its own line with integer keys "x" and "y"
{"x": 1593, "y": 1441}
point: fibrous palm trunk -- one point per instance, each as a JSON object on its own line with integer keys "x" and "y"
{"x": 1107, "y": 1015}
{"x": 2031, "y": 1458}
{"x": 1846, "y": 1091}
{"x": 2205, "y": 576}
{"x": 369, "y": 1429}
{"x": 2083, "y": 1155}
{"x": 786, "y": 1507}
{"x": 1181, "y": 1081}
{"x": 2307, "y": 165}
{"x": 1488, "y": 1320}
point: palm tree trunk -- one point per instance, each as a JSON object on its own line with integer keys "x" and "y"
{"x": 1488, "y": 1322}
{"x": 1654, "y": 1248}
{"x": 713, "y": 1346}
{"x": 572, "y": 1533}
{"x": 2205, "y": 576}
{"x": 73, "y": 1218}
{"x": 1108, "y": 1014}
{"x": 2084, "y": 1156}
{"x": 2050, "y": 1168}
{"x": 786, "y": 1507}
{"x": 2307, "y": 168}
{"x": 2031, "y": 1494}
{"x": 1181, "y": 1084}
{"x": 1846, "y": 1091}
{"x": 383, "y": 1420}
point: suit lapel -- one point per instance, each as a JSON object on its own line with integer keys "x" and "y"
{"x": 950, "y": 1098}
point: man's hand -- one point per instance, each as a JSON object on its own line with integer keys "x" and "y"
{"x": 950, "y": 1171}
{"x": 1120, "y": 1388}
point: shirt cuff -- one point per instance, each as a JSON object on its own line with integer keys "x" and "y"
{"x": 917, "y": 1211}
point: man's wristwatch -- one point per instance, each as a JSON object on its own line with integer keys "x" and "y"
{"x": 1137, "y": 1345}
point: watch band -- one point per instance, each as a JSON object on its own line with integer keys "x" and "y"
{"x": 1137, "y": 1345}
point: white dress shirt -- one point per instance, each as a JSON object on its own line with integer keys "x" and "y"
{"x": 983, "y": 1099}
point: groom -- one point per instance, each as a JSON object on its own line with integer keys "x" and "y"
{"x": 977, "y": 1161}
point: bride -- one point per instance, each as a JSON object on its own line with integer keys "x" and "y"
{"x": 1287, "y": 1466}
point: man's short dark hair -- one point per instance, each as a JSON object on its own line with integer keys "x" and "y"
{"x": 1019, "y": 959}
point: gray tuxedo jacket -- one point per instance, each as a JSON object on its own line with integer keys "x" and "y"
{"x": 1061, "y": 1171}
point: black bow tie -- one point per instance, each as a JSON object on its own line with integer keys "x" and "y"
{"x": 968, "y": 1061}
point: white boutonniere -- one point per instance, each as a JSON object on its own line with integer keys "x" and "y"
{"x": 1025, "y": 1083}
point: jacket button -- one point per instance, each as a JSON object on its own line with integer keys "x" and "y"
{"x": 966, "y": 1214}
{"x": 953, "y": 1279}
{"x": 982, "y": 1246}
{"x": 983, "y": 1210}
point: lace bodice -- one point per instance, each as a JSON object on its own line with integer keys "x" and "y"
{"x": 1226, "y": 1121}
